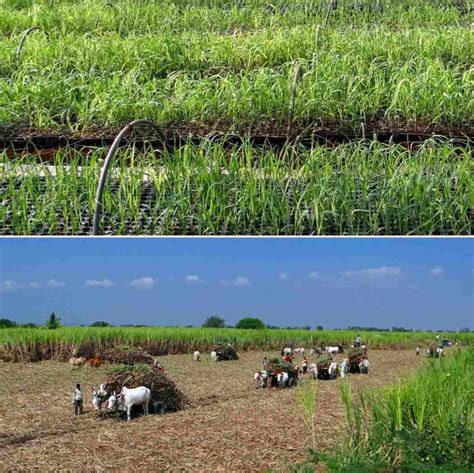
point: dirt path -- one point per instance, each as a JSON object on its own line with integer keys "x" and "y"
{"x": 232, "y": 426}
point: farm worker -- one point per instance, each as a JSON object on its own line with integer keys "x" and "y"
{"x": 437, "y": 338}
{"x": 417, "y": 351}
{"x": 304, "y": 365}
{"x": 288, "y": 358}
{"x": 77, "y": 400}
{"x": 357, "y": 341}
{"x": 264, "y": 363}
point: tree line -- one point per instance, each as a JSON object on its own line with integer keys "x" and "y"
{"x": 215, "y": 321}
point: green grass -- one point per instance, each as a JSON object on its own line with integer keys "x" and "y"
{"x": 93, "y": 65}
{"x": 357, "y": 188}
{"x": 424, "y": 423}
{"x": 41, "y": 343}
{"x": 132, "y": 17}
{"x": 218, "y": 65}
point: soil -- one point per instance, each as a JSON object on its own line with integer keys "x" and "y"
{"x": 230, "y": 426}
{"x": 44, "y": 143}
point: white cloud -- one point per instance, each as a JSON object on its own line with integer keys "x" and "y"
{"x": 15, "y": 286}
{"x": 54, "y": 283}
{"x": 99, "y": 283}
{"x": 34, "y": 285}
{"x": 314, "y": 275}
{"x": 6, "y": 286}
{"x": 193, "y": 279}
{"x": 9, "y": 286}
{"x": 142, "y": 283}
{"x": 382, "y": 277}
{"x": 382, "y": 271}
{"x": 436, "y": 271}
{"x": 283, "y": 277}
{"x": 239, "y": 281}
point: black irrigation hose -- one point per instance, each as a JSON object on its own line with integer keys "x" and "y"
{"x": 111, "y": 5}
{"x": 22, "y": 42}
{"x": 108, "y": 160}
{"x": 331, "y": 6}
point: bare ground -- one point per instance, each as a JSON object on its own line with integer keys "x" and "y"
{"x": 19, "y": 140}
{"x": 231, "y": 426}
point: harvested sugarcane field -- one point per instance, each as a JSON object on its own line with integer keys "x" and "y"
{"x": 228, "y": 426}
{"x": 236, "y": 354}
{"x": 255, "y": 117}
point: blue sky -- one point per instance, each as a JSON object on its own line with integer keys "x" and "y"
{"x": 417, "y": 283}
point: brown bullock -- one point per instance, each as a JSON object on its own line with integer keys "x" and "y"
{"x": 95, "y": 362}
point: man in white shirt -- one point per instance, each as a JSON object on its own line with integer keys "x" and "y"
{"x": 77, "y": 400}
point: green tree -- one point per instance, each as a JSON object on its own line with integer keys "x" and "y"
{"x": 53, "y": 322}
{"x": 250, "y": 322}
{"x": 319, "y": 327}
{"x": 100, "y": 323}
{"x": 214, "y": 322}
{"x": 7, "y": 323}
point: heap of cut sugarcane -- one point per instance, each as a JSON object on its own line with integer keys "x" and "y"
{"x": 164, "y": 393}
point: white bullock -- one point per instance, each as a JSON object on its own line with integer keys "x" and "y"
{"x": 332, "y": 370}
{"x": 197, "y": 356}
{"x": 97, "y": 400}
{"x": 102, "y": 391}
{"x": 77, "y": 362}
{"x": 261, "y": 378}
{"x": 334, "y": 350}
{"x": 282, "y": 379}
{"x": 364, "y": 366}
{"x": 213, "y": 355}
{"x": 131, "y": 397}
{"x": 344, "y": 368}
{"x": 313, "y": 370}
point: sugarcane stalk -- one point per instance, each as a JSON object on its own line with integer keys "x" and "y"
{"x": 296, "y": 77}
